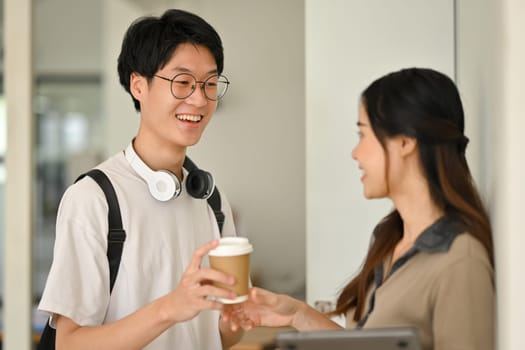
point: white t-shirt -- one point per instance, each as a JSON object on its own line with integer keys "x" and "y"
{"x": 160, "y": 240}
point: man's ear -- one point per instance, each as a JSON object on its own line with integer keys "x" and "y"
{"x": 408, "y": 145}
{"x": 137, "y": 85}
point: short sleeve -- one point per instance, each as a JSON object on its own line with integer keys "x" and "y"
{"x": 78, "y": 282}
{"x": 463, "y": 317}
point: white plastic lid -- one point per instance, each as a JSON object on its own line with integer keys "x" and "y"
{"x": 231, "y": 246}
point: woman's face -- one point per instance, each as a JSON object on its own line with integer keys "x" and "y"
{"x": 371, "y": 158}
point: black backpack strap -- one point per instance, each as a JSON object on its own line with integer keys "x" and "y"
{"x": 116, "y": 238}
{"x": 116, "y": 233}
{"x": 214, "y": 200}
{"x": 47, "y": 339}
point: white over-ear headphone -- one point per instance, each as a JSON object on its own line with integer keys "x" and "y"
{"x": 163, "y": 184}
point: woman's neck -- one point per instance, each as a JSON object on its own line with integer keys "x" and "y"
{"x": 418, "y": 211}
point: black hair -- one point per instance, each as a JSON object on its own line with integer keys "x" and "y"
{"x": 423, "y": 104}
{"x": 150, "y": 41}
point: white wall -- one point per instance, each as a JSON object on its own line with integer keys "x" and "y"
{"x": 121, "y": 119}
{"x": 490, "y": 57}
{"x": 254, "y": 146}
{"x": 348, "y": 45}
{"x": 66, "y": 37}
{"x": 479, "y": 71}
{"x": 508, "y": 123}
{"x": 17, "y": 302}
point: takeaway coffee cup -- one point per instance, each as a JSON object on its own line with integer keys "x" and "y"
{"x": 232, "y": 256}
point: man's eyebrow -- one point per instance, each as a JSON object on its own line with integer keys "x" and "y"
{"x": 186, "y": 70}
{"x": 361, "y": 124}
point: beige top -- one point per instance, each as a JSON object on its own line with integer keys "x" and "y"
{"x": 444, "y": 288}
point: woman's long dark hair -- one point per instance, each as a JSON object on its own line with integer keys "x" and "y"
{"x": 423, "y": 104}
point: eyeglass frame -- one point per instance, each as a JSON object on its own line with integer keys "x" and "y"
{"x": 201, "y": 82}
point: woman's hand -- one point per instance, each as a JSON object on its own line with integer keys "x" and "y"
{"x": 263, "y": 308}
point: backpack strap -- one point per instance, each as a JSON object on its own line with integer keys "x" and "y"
{"x": 214, "y": 200}
{"x": 116, "y": 233}
{"x": 116, "y": 238}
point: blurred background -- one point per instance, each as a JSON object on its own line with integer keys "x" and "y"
{"x": 280, "y": 142}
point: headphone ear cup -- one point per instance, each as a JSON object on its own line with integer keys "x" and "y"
{"x": 164, "y": 185}
{"x": 200, "y": 184}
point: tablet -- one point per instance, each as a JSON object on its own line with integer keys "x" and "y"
{"x": 363, "y": 339}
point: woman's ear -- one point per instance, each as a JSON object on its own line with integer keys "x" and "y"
{"x": 408, "y": 145}
{"x": 137, "y": 85}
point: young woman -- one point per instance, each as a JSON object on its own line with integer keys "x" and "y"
{"x": 430, "y": 263}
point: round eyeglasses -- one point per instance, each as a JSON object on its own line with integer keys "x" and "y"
{"x": 184, "y": 84}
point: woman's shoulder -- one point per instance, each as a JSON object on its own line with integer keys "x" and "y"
{"x": 467, "y": 249}
{"x": 466, "y": 244}
{"x": 465, "y": 252}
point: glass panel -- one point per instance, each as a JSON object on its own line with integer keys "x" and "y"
{"x": 69, "y": 127}
{"x": 68, "y": 120}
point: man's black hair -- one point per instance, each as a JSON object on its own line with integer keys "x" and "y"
{"x": 150, "y": 41}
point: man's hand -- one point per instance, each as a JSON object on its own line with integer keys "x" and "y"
{"x": 195, "y": 291}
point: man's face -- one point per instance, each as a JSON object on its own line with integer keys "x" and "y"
{"x": 171, "y": 121}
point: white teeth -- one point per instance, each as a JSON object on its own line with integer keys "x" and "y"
{"x": 189, "y": 117}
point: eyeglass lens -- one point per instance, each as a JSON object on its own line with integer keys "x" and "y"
{"x": 214, "y": 87}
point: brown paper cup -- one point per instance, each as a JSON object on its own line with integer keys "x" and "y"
{"x": 232, "y": 256}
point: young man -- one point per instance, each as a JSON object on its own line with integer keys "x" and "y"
{"x": 162, "y": 297}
